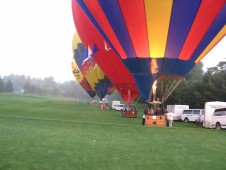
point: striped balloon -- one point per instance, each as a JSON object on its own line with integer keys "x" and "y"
{"x": 152, "y": 38}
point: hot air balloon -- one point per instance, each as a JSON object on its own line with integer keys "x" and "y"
{"x": 154, "y": 39}
{"x": 106, "y": 58}
{"x": 78, "y": 74}
{"x": 91, "y": 71}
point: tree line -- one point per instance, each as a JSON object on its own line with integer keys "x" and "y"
{"x": 197, "y": 88}
{"x": 44, "y": 87}
{"x": 200, "y": 87}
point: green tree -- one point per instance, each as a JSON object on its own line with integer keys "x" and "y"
{"x": 18, "y": 81}
{"x": 214, "y": 83}
{"x": 8, "y": 87}
{"x": 27, "y": 87}
{"x": 187, "y": 92}
{"x": 50, "y": 86}
{"x": 2, "y": 84}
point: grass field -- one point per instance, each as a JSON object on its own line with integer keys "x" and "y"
{"x": 49, "y": 134}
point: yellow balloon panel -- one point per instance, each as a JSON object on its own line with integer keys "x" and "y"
{"x": 75, "y": 42}
{"x": 100, "y": 73}
{"x": 76, "y": 71}
{"x": 157, "y": 18}
{"x": 92, "y": 72}
{"x": 89, "y": 78}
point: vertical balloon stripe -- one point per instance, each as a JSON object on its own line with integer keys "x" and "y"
{"x": 93, "y": 74}
{"x": 79, "y": 54}
{"x": 85, "y": 71}
{"x": 78, "y": 13}
{"x": 183, "y": 14}
{"x": 86, "y": 85}
{"x": 90, "y": 80}
{"x": 207, "y": 12}
{"x": 135, "y": 20}
{"x": 96, "y": 10}
{"x": 214, "y": 29}
{"x": 219, "y": 36}
{"x": 77, "y": 23}
{"x": 100, "y": 73}
{"x": 115, "y": 18}
{"x": 168, "y": 65}
{"x": 158, "y": 17}
{"x": 76, "y": 71}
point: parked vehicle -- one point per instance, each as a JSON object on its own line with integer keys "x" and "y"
{"x": 219, "y": 119}
{"x": 190, "y": 115}
{"x": 210, "y": 107}
{"x": 177, "y": 110}
{"x": 119, "y": 107}
{"x": 199, "y": 120}
{"x": 114, "y": 103}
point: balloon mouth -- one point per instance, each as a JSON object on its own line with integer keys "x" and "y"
{"x": 166, "y": 83}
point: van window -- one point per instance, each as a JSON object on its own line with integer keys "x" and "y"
{"x": 187, "y": 112}
{"x": 203, "y": 112}
{"x": 196, "y": 112}
{"x": 219, "y": 113}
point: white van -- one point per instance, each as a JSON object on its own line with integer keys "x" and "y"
{"x": 219, "y": 119}
{"x": 119, "y": 107}
{"x": 114, "y": 103}
{"x": 177, "y": 110}
{"x": 190, "y": 115}
{"x": 210, "y": 107}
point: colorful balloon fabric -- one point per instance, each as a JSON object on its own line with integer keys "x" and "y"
{"x": 91, "y": 71}
{"x": 81, "y": 79}
{"x": 77, "y": 72}
{"x": 148, "y": 39}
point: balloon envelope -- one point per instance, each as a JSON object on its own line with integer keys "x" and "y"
{"x": 152, "y": 38}
{"x": 91, "y": 71}
{"x": 76, "y": 70}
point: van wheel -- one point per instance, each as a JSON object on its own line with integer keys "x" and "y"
{"x": 186, "y": 120}
{"x": 218, "y": 126}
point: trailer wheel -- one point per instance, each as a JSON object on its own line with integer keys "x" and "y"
{"x": 186, "y": 120}
{"x": 218, "y": 126}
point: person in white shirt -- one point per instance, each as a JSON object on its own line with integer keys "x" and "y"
{"x": 170, "y": 116}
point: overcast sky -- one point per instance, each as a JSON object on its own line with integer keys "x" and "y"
{"x": 36, "y": 38}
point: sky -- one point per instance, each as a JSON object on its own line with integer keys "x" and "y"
{"x": 36, "y": 39}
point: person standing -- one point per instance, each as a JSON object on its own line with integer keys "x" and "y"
{"x": 170, "y": 116}
{"x": 143, "y": 119}
{"x": 146, "y": 112}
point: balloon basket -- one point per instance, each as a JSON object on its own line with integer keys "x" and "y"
{"x": 129, "y": 114}
{"x": 103, "y": 106}
{"x": 155, "y": 120}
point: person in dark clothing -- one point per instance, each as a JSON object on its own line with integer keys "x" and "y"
{"x": 146, "y": 112}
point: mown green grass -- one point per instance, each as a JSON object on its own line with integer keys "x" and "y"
{"x": 45, "y": 133}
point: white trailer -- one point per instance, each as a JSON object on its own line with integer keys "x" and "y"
{"x": 210, "y": 107}
{"x": 177, "y": 110}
